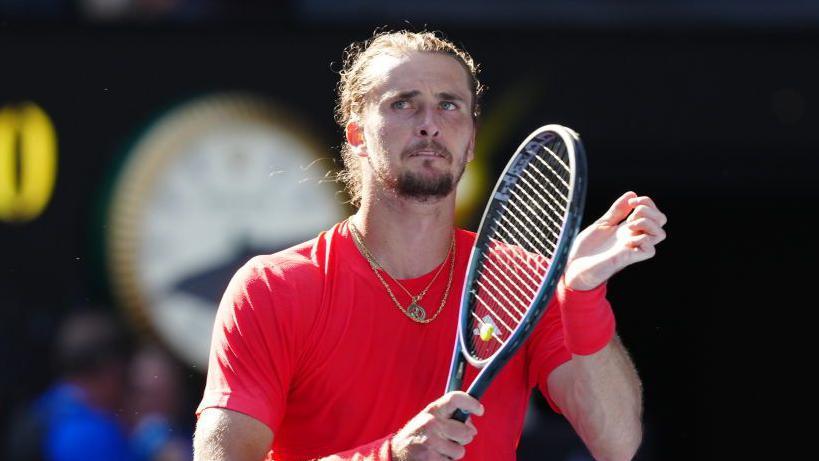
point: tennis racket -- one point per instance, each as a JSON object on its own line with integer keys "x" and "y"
{"x": 520, "y": 253}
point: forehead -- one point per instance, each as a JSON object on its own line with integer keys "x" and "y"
{"x": 422, "y": 71}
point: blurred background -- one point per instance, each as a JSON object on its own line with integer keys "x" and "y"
{"x": 149, "y": 147}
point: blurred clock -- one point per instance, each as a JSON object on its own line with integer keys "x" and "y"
{"x": 207, "y": 186}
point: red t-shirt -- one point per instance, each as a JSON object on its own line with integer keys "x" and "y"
{"x": 308, "y": 342}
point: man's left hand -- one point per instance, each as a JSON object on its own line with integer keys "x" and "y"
{"x": 624, "y": 235}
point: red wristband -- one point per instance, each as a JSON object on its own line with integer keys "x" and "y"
{"x": 588, "y": 321}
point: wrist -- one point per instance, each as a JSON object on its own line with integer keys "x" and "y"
{"x": 588, "y": 320}
{"x": 577, "y": 283}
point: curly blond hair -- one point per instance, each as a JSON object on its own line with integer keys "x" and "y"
{"x": 354, "y": 85}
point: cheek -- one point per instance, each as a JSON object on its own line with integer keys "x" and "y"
{"x": 373, "y": 132}
{"x": 457, "y": 122}
{"x": 390, "y": 132}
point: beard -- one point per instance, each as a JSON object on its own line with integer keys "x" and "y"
{"x": 424, "y": 186}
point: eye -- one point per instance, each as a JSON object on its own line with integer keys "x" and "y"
{"x": 449, "y": 105}
{"x": 401, "y": 104}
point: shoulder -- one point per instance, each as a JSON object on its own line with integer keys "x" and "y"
{"x": 286, "y": 283}
{"x": 286, "y": 265}
{"x": 289, "y": 268}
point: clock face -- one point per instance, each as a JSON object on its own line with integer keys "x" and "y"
{"x": 209, "y": 186}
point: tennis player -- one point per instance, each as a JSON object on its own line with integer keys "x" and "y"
{"x": 339, "y": 348}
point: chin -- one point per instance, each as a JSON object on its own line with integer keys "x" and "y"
{"x": 425, "y": 187}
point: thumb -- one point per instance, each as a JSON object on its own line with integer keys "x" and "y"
{"x": 619, "y": 209}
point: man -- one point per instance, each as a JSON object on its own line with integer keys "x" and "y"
{"x": 316, "y": 352}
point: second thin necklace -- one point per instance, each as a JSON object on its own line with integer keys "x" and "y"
{"x": 414, "y": 311}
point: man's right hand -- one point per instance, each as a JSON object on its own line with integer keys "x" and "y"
{"x": 432, "y": 434}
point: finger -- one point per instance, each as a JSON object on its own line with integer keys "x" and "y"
{"x": 446, "y": 405}
{"x": 447, "y": 448}
{"x": 647, "y": 226}
{"x": 646, "y": 201}
{"x": 642, "y": 200}
{"x": 636, "y": 241}
{"x": 619, "y": 209}
{"x": 640, "y": 248}
{"x": 457, "y": 431}
{"x": 471, "y": 425}
{"x": 645, "y": 211}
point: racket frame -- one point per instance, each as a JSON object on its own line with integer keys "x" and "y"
{"x": 573, "y": 215}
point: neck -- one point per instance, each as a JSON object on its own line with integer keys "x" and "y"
{"x": 408, "y": 238}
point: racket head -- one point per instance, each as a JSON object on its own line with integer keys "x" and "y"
{"x": 520, "y": 252}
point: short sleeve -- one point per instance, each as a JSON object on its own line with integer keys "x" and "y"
{"x": 545, "y": 350}
{"x": 253, "y": 346}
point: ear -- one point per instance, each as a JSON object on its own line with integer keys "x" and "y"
{"x": 354, "y": 133}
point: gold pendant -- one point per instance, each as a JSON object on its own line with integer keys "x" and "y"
{"x": 416, "y": 312}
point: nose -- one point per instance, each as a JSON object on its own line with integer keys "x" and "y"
{"x": 427, "y": 126}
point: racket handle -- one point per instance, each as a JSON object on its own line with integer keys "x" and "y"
{"x": 460, "y": 415}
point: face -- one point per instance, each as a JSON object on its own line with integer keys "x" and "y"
{"x": 416, "y": 130}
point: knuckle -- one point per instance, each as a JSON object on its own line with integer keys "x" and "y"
{"x": 431, "y": 407}
{"x": 412, "y": 451}
{"x": 420, "y": 453}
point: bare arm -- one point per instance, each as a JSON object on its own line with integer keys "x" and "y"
{"x": 226, "y": 435}
{"x": 600, "y": 393}
{"x": 601, "y": 396}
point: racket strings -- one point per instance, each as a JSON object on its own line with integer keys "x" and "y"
{"x": 511, "y": 266}
{"x": 529, "y": 178}
{"x": 512, "y": 228}
{"x": 519, "y": 285}
{"x": 496, "y": 318}
{"x": 553, "y": 215}
{"x": 506, "y": 301}
{"x": 531, "y": 225}
{"x": 511, "y": 239}
{"x": 539, "y": 216}
{"x": 523, "y": 234}
{"x": 490, "y": 276}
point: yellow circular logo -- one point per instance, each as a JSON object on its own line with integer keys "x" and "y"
{"x": 28, "y": 162}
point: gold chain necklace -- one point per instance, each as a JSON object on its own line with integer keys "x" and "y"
{"x": 375, "y": 265}
{"x": 414, "y": 311}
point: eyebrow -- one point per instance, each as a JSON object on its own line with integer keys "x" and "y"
{"x": 450, "y": 97}
{"x": 444, "y": 95}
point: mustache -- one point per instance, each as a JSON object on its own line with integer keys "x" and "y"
{"x": 431, "y": 145}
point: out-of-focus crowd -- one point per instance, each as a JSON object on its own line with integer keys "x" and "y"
{"x": 111, "y": 400}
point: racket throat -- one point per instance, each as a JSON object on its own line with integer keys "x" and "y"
{"x": 456, "y": 376}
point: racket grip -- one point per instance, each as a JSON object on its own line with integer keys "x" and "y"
{"x": 460, "y": 415}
